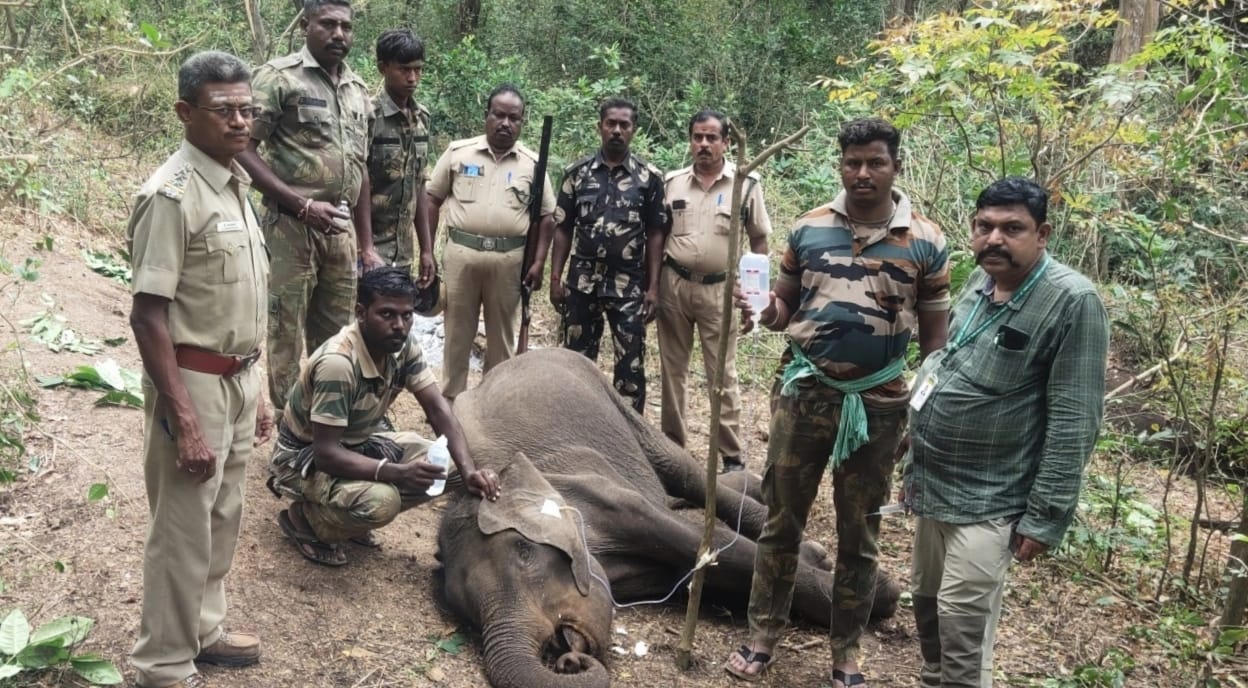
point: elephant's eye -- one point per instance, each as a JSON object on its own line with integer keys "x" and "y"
{"x": 524, "y": 550}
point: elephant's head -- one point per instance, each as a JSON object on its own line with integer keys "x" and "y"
{"x": 519, "y": 568}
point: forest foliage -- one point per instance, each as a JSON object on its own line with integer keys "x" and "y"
{"x": 1147, "y": 160}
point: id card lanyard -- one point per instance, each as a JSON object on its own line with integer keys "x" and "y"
{"x": 965, "y": 335}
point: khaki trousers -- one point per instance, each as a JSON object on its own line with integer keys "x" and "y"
{"x": 477, "y": 281}
{"x": 682, "y": 306}
{"x": 957, "y": 579}
{"x": 194, "y": 526}
{"x": 311, "y": 295}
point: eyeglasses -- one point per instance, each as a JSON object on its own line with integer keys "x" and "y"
{"x": 227, "y": 112}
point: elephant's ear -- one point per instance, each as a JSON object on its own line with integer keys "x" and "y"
{"x": 532, "y": 507}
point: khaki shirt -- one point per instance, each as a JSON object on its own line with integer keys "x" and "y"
{"x": 701, "y": 217}
{"x": 485, "y": 196}
{"x": 314, "y": 132}
{"x": 397, "y": 152}
{"x": 340, "y": 386}
{"x": 194, "y": 239}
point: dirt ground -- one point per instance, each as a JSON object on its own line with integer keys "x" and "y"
{"x": 376, "y": 622}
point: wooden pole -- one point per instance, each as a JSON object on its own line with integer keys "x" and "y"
{"x": 684, "y": 652}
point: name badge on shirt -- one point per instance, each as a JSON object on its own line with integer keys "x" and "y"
{"x": 230, "y": 226}
{"x": 922, "y": 391}
{"x": 468, "y": 170}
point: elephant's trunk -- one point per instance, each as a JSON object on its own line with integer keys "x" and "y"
{"x": 513, "y": 659}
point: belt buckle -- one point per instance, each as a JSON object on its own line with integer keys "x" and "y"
{"x": 487, "y": 243}
{"x": 242, "y": 363}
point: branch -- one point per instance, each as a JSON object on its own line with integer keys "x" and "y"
{"x": 1088, "y": 153}
{"x": 966, "y": 143}
{"x": 103, "y": 51}
{"x": 773, "y": 149}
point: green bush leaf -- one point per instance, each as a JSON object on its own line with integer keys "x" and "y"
{"x": 7, "y": 670}
{"x": 453, "y": 644}
{"x": 97, "y": 492}
{"x": 14, "y": 633}
{"x": 98, "y": 671}
{"x": 69, "y": 630}
{"x": 42, "y": 656}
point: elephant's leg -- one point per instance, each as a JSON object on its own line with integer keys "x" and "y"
{"x": 645, "y": 549}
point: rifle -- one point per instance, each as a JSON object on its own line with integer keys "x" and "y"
{"x": 536, "y": 191}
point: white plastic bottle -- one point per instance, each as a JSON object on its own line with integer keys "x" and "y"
{"x": 439, "y": 455}
{"x": 755, "y": 275}
{"x": 343, "y": 209}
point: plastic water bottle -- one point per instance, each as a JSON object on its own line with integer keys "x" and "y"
{"x": 439, "y": 455}
{"x": 755, "y": 275}
{"x": 343, "y": 222}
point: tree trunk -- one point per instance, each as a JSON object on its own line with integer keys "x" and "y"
{"x": 1137, "y": 22}
{"x": 259, "y": 39}
{"x": 1237, "y": 570}
{"x": 467, "y": 18}
{"x": 900, "y": 10}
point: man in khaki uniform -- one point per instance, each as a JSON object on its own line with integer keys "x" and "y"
{"x": 200, "y": 281}
{"x": 485, "y": 184}
{"x": 398, "y": 149}
{"x": 695, "y": 264}
{"x": 313, "y": 122}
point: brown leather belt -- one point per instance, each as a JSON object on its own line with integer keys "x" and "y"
{"x": 213, "y": 363}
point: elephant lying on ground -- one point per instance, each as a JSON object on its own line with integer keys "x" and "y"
{"x": 579, "y": 468}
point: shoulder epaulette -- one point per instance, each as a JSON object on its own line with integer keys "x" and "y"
{"x": 175, "y": 186}
{"x": 420, "y": 107}
{"x": 675, "y": 173}
{"x": 461, "y": 143}
{"x": 755, "y": 176}
{"x": 526, "y": 151}
{"x": 286, "y": 61}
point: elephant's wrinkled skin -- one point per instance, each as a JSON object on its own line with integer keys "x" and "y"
{"x": 594, "y": 454}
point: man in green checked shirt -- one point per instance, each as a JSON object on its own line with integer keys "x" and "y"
{"x": 1001, "y": 423}
{"x": 859, "y": 276}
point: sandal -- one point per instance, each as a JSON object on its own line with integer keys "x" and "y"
{"x": 750, "y": 657}
{"x": 309, "y": 546}
{"x": 848, "y": 680}
{"x": 368, "y": 540}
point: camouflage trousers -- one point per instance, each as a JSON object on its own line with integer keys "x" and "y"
{"x": 311, "y": 295}
{"x": 339, "y": 508}
{"x": 803, "y": 431}
{"x": 582, "y": 332}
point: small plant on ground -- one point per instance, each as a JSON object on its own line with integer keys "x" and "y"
{"x": 50, "y": 646}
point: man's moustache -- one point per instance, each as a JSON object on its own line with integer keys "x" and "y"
{"x": 1000, "y": 253}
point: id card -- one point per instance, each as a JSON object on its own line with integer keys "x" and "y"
{"x": 922, "y": 391}
{"x": 230, "y": 226}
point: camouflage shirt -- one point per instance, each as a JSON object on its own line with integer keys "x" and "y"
{"x": 609, "y": 210}
{"x": 314, "y": 133}
{"x": 860, "y": 293}
{"x": 340, "y": 386}
{"x": 398, "y": 148}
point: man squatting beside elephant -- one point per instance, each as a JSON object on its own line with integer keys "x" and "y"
{"x": 198, "y": 315}
{"x": 858, "y": 276}
{"x": 483, "y": 185}
{"x": 345, "y": 475}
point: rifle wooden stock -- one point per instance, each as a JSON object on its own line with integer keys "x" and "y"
{"x": 536, "y": 192}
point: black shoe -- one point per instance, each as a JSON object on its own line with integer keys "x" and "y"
{"x": 732, "y": 464}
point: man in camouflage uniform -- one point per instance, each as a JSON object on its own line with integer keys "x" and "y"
{"x": 613, "y": 222}
{"x": 858, "y": 276}
{"x": 313, "y": 124}
{"x": 398, "y": 148}
{"x": 200, "y": 276}
{"x": 346, "y": 475}
{"x": 695, "y": 264}
{"x": 485, "y": 185}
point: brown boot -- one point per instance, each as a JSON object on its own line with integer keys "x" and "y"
{"x": 232, "y": 650}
